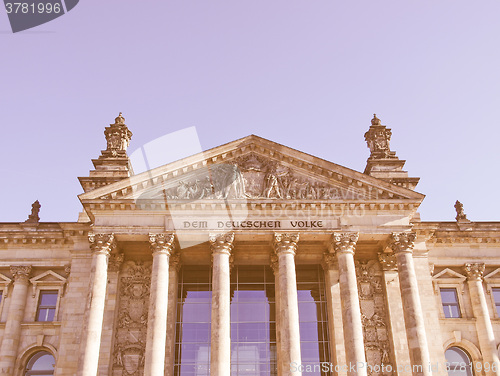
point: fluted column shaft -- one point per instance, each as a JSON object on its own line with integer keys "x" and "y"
{"x": 15, "y": 316}
{"x": 162, "y": 246}
{"x": 220, "y": 353}
{"x": 101, "y": 245}
{"x": 484, "y": 328}
{"x": 402, "y": 245}
{"x": 173, "y": 280}
{"x": 285, "y": 246}
{"x": 343, "y": 244}
{"x": 275, "y": 267}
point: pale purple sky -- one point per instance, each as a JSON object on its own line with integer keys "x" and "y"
{"x": 306, "y": 74}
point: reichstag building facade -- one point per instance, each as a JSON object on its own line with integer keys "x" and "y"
{"x": 250, "y": 259}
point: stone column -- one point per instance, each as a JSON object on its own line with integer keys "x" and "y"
{"x": 334, "y": 305}
{"x": 162, "y": 246}
{"x": 285, "y": 246}
{"x": 402, "y": 244}
{"x": 275, "y": 267}
{"x": 221, "y": 246}
{"x": 394, "y": 306}
{"x": 343, "y": 244}
{"x": 15, "y": 316}
{"x": 110, "y": 315}
{"x": 484, "y": 328}
{"x": 101, "y": 245}
{"x": 173, "y": 280}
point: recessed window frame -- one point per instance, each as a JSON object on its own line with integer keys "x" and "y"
{"x": 449, "y": 279}
{"x": 39, "y": 306}
{"x": 448, "y": 304}
{"x": 5, "y": 284}
{"x": 492, "y": 281}
{"x": 57, "y": 284}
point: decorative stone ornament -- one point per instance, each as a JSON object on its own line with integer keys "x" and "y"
{"x": 388, "y": 261}
{"x": 20, "y": 272}
{"x": 35, "y": 210}
{"x": 459, "y": 207}
{"x": 163, "y": 243}
{"x": 328, "y": 261}
{"x": 221, "y": 243}
{"x": 474, "y": 271}
{"x": 117, "y": 137}
{"x": 344, "y": 241}
{"x": 102, "y": 243}
{"x": 402, "y": 241}
{"x": 378, "y": 138}
{"x": 285, "y": 242}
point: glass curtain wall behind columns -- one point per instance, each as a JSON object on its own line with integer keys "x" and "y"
{"x": 314, "y": 345}
{"x": 194, "y": 306}
{"x": 253, "y": 322}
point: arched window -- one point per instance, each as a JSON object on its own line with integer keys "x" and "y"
{"x": 41, "y": 364}
{"x": 458, "y": 362}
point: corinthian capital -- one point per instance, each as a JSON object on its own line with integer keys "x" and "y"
{"x": 162, "y": 243}
{"x": 402, "y": 241}
{"x": 221, "y": 243}
{"x": 285, "y": 242}
{"x": 328, "y": 262}
{"x": 474, "y": 271}
{"x": 102, "y": 243}
{"x": 20, "y": 272}
{"x": 344, "y": 241}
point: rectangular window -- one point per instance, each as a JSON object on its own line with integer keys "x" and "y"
{"x": 47, "y": 305}
{"x": 194, "y": 308}
{"x": 1, "y": 296}
{"x": 449, "y": 298}
{"x": 313, "y": 321}
{"x": 496, "y": 298}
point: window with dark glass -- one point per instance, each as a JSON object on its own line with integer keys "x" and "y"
{"x": 449, "y": 298}
{"x": 192, "y": 348}
{"x": 313, "y": 323}
{"x": 41, "y": 364}
{"x": 496, "y": 298}
{"x": 458, "y": 362}
{"x": 47, "y": 303}
{"x": 1, "y": 296}
{"x": 253, "y": 321}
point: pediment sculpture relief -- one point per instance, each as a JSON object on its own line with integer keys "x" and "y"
{"x": 250, "y": 176}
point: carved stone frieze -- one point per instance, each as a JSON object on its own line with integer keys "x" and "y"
{"x": 474, "y": 271}
{"x": 131, "y": 326}
{"x": 251, "y": 176}
{"x": 373, "y": 315}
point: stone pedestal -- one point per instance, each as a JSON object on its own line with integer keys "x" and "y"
{"x": 162, "y": 246}
{"x": 220, "y": 353}
{"x": 101, "y": 245}
{"x": 15, "y": 316}
{"x": 285, "y": 246}
{"x": 343, "y": 245}
{"x": 402, "y": 244}
{"x": 485, "y": 333}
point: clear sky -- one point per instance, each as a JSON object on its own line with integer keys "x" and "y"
{"x": 308, "y": 74}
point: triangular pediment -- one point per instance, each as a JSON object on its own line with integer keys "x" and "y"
{"x": 449, "y": 274}
{"x": 49, "y": 277}
{"x": 252, "y": 168}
